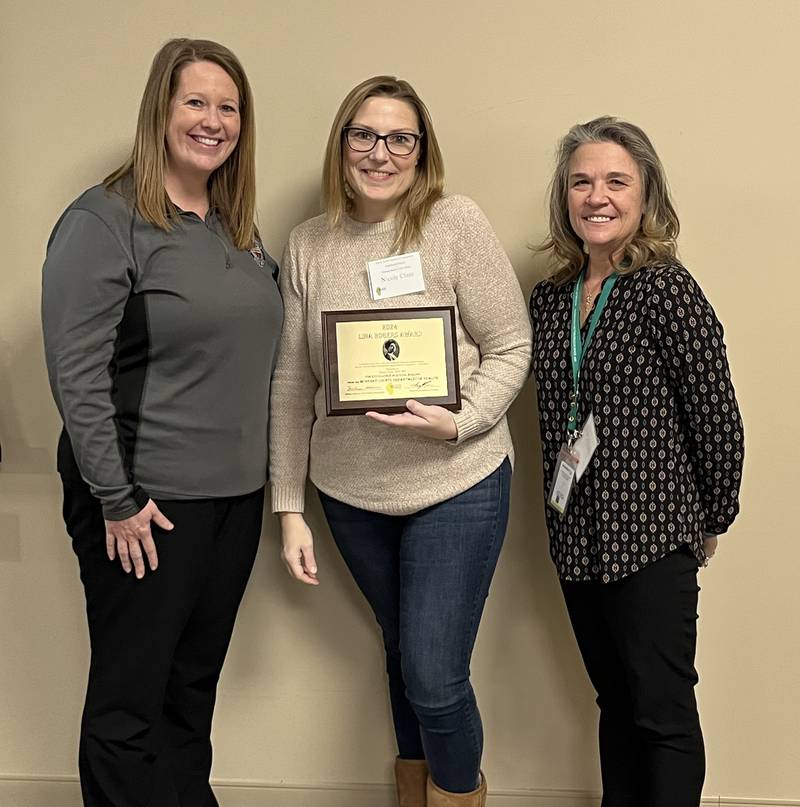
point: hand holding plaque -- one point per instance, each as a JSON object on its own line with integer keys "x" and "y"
{"x": 431, "y": 422}
{"x": 377, "y": 359}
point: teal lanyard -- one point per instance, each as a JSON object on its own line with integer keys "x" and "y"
{"x": 578, "y": 347}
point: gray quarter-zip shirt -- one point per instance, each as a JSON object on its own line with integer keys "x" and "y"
{"x": 160, "y": 348}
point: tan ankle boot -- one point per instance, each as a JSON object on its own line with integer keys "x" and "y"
{"x": 441, "y": 798}
{"x": 411, "y": 776}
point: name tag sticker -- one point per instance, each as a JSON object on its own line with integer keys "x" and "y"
{"x": 563, "y": 480}
{"x": 395, "y": 276}
{"x": 585, "y": 446}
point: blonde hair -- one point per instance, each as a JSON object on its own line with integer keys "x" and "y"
{"x": 428, "y": 184}
{"x": 232, "y": 187}
{"x": 653, "y": 243}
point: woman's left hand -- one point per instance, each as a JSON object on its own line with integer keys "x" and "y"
{"x": 710, "y": 545}
{"x": 429, "y": 421}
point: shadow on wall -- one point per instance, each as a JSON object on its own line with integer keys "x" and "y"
{"x": 276, "y": 214}
{"x": 24, "y": 388}
{"x": 525, "y": 618}
{"x": 28, "y": 444}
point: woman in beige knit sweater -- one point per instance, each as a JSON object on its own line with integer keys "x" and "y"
{"x": 417, "y": 502}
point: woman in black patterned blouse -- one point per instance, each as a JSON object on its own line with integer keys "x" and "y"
{"x": 642, "y": 446}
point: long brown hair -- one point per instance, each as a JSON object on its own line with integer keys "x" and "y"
{"x": 232, "y": 187}
{"x": 655, "y": 242}
{"x": 428, "y": 184}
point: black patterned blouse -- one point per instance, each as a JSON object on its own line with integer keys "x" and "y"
{"x": 669, "y": 461}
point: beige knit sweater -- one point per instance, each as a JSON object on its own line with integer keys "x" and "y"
{"x": 359, "y": 461}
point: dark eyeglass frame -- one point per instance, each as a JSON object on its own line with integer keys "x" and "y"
{"x": 417, "y": 138}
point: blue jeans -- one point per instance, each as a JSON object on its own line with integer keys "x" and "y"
{"x": 426, "y": 577}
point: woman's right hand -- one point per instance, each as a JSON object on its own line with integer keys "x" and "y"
{"x": 298, "y": 548}
{"x": 132, "y": 539}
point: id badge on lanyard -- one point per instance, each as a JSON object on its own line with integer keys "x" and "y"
{"x": 577, "y": 450}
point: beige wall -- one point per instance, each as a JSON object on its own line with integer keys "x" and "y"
{"x": 302, "y": 701}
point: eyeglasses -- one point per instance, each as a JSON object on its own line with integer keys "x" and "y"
{"x": 401, "y": 144}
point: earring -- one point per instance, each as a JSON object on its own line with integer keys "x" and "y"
{"x": 348, "y": 191}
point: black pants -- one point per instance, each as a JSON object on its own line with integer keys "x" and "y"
{"x": 157, "y": 646}
{"x": 637, "y": 637}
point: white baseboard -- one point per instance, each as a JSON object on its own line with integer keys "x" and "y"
{"x": 64, "y": 792}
